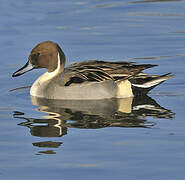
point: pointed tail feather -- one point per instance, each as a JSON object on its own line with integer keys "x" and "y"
{"x": 146, "y": 86}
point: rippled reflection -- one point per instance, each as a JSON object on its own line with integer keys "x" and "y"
{"x": 62, "y": 114}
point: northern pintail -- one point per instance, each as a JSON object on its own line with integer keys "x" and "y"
{"x": 88, "y": 79}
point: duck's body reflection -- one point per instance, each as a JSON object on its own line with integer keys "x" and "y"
{"x": 62, "y": 114}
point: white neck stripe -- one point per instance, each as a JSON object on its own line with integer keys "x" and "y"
{"x": 56, "y": 71}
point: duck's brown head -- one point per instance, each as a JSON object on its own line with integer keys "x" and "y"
{"x": 47, "y": 55}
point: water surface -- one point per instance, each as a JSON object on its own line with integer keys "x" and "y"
{"x": 127, "y": 139}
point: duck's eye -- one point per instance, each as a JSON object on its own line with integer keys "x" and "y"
{"x": 33, "y": 58}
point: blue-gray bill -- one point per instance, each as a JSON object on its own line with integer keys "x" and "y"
{"x": 27, "y": 67}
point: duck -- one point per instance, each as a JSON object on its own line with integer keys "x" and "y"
{"x": 86, "y": 80}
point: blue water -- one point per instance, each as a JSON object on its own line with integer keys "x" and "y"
{"x": 96, "y": 140}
